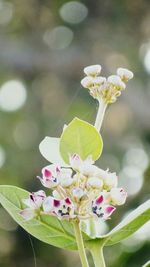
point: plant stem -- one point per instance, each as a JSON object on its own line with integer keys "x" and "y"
{"x": 100, "y": 114}
{"x": 80, "y": 244}
{"x": 97, "y": 253}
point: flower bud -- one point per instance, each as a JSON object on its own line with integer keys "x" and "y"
{"x": 87, "y": 82}
{"x": 95, "y": 183}
{"x": 110, "y": 180}
{"x": 77, "y": 193}
{"x": 66, "y": 182}
{"x": 115, "y": 80}
{"x": 118, "y": 196}
{"x": 125, "y": 74}
{"x": 92, "y": 70}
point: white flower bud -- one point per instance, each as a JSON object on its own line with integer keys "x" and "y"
{"x": 110, "y": 180}
{"x": 95, "y": 182}
{"x": 87, "y": 82}
{"x": 125, "y": 74}
{"x": 115, "y": 80}
{"x": 92, "y": 70}
{"x": 99, "y": 80}
{"x": 77, "y": 193}
{"x": 66, "y": 182}
{"x": 118, "y": 196}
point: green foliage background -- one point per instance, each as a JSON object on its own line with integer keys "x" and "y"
{"x": 114, "y": 33}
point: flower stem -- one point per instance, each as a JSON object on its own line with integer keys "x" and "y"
{"x": 97, "y": 253}
{"x": 80, "y": 244}
{"x": 100, "y": 114}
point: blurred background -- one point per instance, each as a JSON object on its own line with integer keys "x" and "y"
{"x": 44, "y": 46}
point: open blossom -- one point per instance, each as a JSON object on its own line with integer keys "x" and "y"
{"x": 33, "y": 203}
{"x": 61, "y": 208}
{"x": 50, "y": 176}
{"x": 100, "y": 209}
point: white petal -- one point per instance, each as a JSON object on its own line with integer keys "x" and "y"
{"x": 125, "y": 74}
{"x": 49, "y": 149}
{"x": 27, "y": 214}
{"x": 92, "y": 70}
{"x": 95, "y": 182}
{"x": 48, "y": 204}
{"x": 87, "y": 82}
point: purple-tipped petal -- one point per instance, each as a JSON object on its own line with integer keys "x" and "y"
{"x": 99, "y": 200}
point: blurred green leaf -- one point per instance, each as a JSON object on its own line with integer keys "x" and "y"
{"x": 81, "y": 138}
{"x": 147, "y": 264}
{"x": 47, "y": 229}
{"x": 129, "y": 225}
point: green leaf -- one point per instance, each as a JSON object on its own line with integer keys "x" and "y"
{"x": 47, "y": 229}
{"x": 81, "y": 138}
{"x": 49, "y": 148}
{"x": 147, "y": 264}
{"x": 129, "y": 225}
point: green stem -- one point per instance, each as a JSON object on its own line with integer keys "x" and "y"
{"x": 100, "y": 114}
{"x": 80, "y": 244}
{"x": 97, "y": 253}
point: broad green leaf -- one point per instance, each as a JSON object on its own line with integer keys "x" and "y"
{"x": 47, "y": 229}
{"x": 49, "y": 148}
{"x": 82, "y": 138}
{"x": 147, "y": 264}
{"x": 129, "y": 225}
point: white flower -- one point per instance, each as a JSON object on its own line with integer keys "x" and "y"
{"x": 118, "y": 196}
{"x": 34, "y": 203}
{"x": 115, "y": 80}
{"x": 63, "y": 208}
{"x": 87, "y": 82}
{"x": 100, "y": 209}
{"x": 95, "y": 182}
{"x": 92, "y": 70}
{"x": 50, "y": 175}
{"x": 125, "y": 74}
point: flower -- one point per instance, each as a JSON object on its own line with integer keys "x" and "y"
{"x": 125, "y": 74}
{"x": 92, "y": 70}
{"x": 63, "y": 208}
{"x": 118, "y": 196}
{"x": 100, "y": 209}
{"x": 34, "y": 204}
{"x": 50, "y": 175}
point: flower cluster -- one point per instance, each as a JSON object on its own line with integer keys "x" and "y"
{"x": 81, "y": 191}
{"x": 107, "y": 89}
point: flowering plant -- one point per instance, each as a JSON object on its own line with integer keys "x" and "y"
{"x": 80, "y": 192}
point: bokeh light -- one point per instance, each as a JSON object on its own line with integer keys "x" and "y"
{"x": 6, "y": 12}
{"x": 58, "y": 38}
{"x": 73, "y": 12}
{"x": 12, "y": 95}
